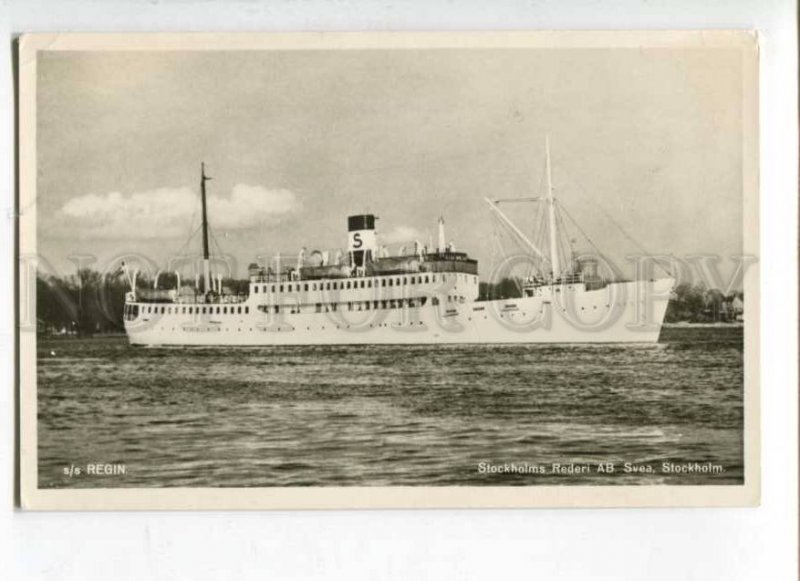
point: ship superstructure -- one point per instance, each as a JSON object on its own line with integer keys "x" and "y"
{"x": 423, "y": 294}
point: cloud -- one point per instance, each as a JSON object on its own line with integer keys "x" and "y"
{"x": 170, "y": 212}
{"x": 402, "y": 234}
{"x": 250, "y": 206}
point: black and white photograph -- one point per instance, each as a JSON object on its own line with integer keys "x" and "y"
{"x": 389, "y": 270}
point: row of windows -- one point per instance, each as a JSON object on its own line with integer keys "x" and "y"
{"x": 375, "y": 305}
{"x": 294, "y": 309}
{"x": 197, "y": 310}
{"x": 355, "y": 284}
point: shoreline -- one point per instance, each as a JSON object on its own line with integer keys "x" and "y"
{"x": 686, "y": 325}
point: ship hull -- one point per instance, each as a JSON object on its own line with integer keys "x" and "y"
{"x": 629, "y": 312}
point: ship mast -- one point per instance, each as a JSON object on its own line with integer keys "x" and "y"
{"x": 551, "y": 203}
{"x": 206, "y": 264}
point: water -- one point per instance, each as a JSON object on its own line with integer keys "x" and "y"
{"x": 332, "y": 416}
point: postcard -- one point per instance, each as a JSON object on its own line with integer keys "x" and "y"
{"x": 388, "y": 270}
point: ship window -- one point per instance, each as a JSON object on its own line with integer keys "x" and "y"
{"x": 313, "y": 286}
{"x": 163, "y": 310}
{"x": 422, "y": 301}
{"x": 238, "y": 310}
{"x": 277, "y": 309}
{"x": 246, "y": 310}
{"x": 369, "y": 283}
{"x": 280, "y": 288}
{"x": 362, "y": 284}
{"x": 289, "y": 288}
{"x": 405, "y": 280}
{"x": 366, "y": 305}
{"x": 383, "y": 282}
{"x": 398, "y": 281}
{"x": 273, "y": 288}
{"x": 348, "y": 284}
{"x": 413, "y": 280}
{"x": 349, "y": 306}
{"x": 383, "y": 304}
{"x": 327, "y": 286}
{"x": 218, "y": 310}
{"x": 375, "y": 305}
{"x": 391, "y": 282}
{"x": 255, "y": 288}
{"x": 305, "y": 287}
{"x": 318, "y": 307}
{"x": 333, "y": 307}
{"x": 426, "y": 278}
{"x": 435, "y": 301}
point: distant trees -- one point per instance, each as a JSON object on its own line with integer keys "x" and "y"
{"x": 83, "y": 303}
{"x": 507, "y": 288}
{"x": 697, "y": 304}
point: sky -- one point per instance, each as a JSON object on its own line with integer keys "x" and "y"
{"x": 648, "y": 139}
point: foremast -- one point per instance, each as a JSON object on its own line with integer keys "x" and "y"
{"x": 206, "y": 256}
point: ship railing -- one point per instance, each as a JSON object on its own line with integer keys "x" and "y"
{"x": 223, "y": 299}
{"x": 266, "y": 278}
{"x": 569, "y": 278}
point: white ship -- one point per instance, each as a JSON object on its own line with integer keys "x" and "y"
{"x": 423, "y": 295}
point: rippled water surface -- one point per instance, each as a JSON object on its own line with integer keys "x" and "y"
{"x": 386, "y": 415}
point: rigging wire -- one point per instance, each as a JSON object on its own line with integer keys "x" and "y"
{"x": 189, "y": 239}
{"x": 632, "y": 240}
{"x": 628, "y": 236}
{"x": 581, "y": 230}
{"x": 569, "y": 255}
